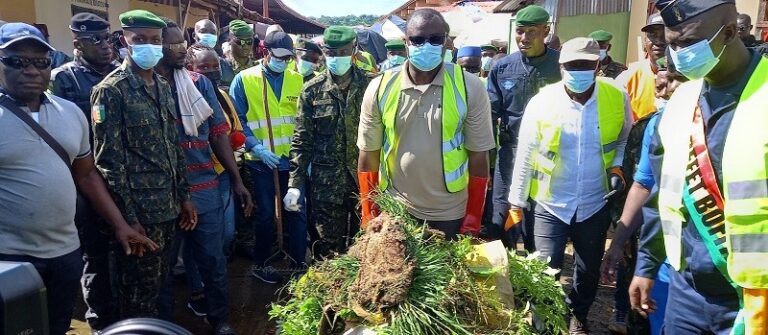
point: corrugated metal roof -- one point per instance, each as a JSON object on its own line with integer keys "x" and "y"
{"x": 598, "y": 7}
{"x": 512, "y": 6}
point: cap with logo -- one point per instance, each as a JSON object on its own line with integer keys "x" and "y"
{"x": 279, "y": 44}
{"x": 580, "y": 48}
{"x": 87, "y": 23}
{"x": 336, "y": 37}
{"x": 675, "y": 12}
{"x": 532, "y": 15}
{"x": 14, "y": 32}
{"x": 139, "y": 18}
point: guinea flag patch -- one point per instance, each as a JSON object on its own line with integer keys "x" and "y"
{"x": 97, "y": 113}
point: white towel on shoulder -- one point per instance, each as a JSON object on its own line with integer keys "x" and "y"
{"x": 193, "y": 107}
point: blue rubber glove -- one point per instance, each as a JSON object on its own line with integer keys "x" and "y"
{"x": 266, "y": 156}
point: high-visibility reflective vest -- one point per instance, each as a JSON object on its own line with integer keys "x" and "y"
{"x": 455, "y": 156}
{"x": 366, "y": 62}
{"x": 611, "y": 115}
{"x": 745, "y": 180}
{"x": 282, "y": 113}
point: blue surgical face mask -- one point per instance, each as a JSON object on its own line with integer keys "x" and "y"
{"x": 579, "y": 81}
{"x": 146, "y": 56}
{"x": 425, "y": 57}
{"x": 339, "y": 65}
{"x": 123, "y": 53}
{"x": 661, "y": 104}
{"x": 603, "y": 54}
{"x": 487, "y": 63}
{"x": 277, "y": 65}
{"x": 697, "y": 60}
{"x": 305, "y": 67}
{"x": 396, "y": 60}
{"x": 208, "y": 40}
{"x": 448, "y": 56}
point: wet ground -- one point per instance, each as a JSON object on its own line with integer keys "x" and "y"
{"x": 250, "y": 300}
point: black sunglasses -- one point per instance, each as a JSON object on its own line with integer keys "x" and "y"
{"x": 95, "y": 40}
{"x": 245, "y": 42}
{"x": 434, "y": 40}
{"x": 18, "y": 62}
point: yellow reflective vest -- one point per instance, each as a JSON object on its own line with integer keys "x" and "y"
{"x": 745, "y": 180}
{"x": 610, "y": 109}
{"x": 366, "y": 62}
{"x": 455, "y": 156}
{"x": 282, "y": 113}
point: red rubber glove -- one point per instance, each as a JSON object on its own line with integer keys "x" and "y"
{"x": 475, "y": 204}
{"x": 369, "y": 182}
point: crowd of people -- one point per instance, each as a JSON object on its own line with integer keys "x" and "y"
{"x": 152, "y": 146}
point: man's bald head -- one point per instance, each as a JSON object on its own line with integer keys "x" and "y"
{"x": 744, "y": 23}
{"x": 426, "y": 17}
{"x": 205, "y": 26}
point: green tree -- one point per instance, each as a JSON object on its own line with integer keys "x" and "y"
{"x": 347, "y": 20}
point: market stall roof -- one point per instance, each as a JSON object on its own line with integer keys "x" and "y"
{"x": 289, "y": 19}
{"x": 512, "y": 6}
{"x": 227, "y": 7}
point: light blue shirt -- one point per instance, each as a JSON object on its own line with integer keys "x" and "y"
{"x": 579, "y": 181}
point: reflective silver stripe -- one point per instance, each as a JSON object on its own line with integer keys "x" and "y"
{"x": 279, "y": 141}
{"x": 749, "y": 242}
{"x": 548, "y": 154}
{"x": 454, "y": 143}
{"x": 456, "y": 174}
{"x": 276, "y": 121}
{"x": 610, "y": 146}
{"x": 460, "y": 103}
{"x": 536, "y": 174}
{"x": 387, "y": 90}
{"x": 750, "y": 189}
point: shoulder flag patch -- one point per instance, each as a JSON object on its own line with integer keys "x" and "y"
{"x": 97, "y": 114}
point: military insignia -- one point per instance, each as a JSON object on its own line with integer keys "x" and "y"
{"x": 130, "y": 20}
{"x": 83, "y": 28}
{"x": 508, "y": 85}
{"x": 98, "y": 114}
{"x": 678, "y": 15}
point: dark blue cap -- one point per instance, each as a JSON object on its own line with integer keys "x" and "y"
{"x": 87, "y": 23}
{"x": 469, "y": 52}
{"x": 13, "y": 32}
{"x": 279, "y": 44}
{"x": 675, "y": 12}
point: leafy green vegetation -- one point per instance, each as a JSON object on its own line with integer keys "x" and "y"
{"x": 348, "y": 20}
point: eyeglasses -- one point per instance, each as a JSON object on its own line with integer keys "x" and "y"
{"x": 245, "y": 42}
{"x": 420, "y": 40}
{"x": 95, "y": 40}
{"x": 18, "y": 62}
{"x": 176, "y": 47}
{"x": 743, "y": 28}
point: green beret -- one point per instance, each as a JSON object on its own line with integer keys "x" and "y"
{"x": 601, "y": 36}
{"x": 489, "y": 47}
{"x": 338, "y": 36}
{"x": 395, "y": 44}
{"x": 532, "y": 15}
{"x": 139, "y": 18}
{"x": 240, "y": 29}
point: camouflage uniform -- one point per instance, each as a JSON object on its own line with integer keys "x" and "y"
{"x": 611, "y": 69}
{"x": 137, "y": 151}
{"x": 326, "y": 137}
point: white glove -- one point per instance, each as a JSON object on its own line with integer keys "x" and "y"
{"x": 291, "y": 200}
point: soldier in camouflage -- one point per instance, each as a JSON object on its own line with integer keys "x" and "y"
{"x": 326, "y": 137}
{"x": 137, "y": 151}
{"x": 241, "y": 55}
{"x": 608, "y": 68}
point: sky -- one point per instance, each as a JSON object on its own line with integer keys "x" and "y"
{"x": 318, "y": 8}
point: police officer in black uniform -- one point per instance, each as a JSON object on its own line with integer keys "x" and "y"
{"x": 512, "y": 82}
{"x": 73, "y": 81}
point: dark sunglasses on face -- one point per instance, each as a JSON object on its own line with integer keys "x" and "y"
{"x": 245, "y": 42}
{"x": 95, "y": 40}
{"x": 18, "y": 62}
{"x": 420, "y": 40}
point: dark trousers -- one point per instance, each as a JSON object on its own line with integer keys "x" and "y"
{"x": 95, "y": 281}
{"x": 689, "y": 312}
{"x": 502, "y": 179}
{"x": 138, "y": 280}
{"x": 336, "y": 223}
{"x": 61, "y": 276}
{"x": 588, "y": 239}
{"x": 204, "y": 245}
{"x": 449, "y": 228}
{"x": 263, "y": 189}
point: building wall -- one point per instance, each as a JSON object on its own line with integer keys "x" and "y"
{"x": 17, "y": 11}
{"x": 569, "y": 27}
{"x": 637, "y": 20}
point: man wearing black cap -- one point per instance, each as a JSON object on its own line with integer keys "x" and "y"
{"x": 73, "y": 81}
{"x": 266, "y": 99}
{"x": 512, "y": 81}
{"x": 326, "y": 131}
{"x": 40, "y": 176}
{"x": 708, "y": 160}
{"x": 138, "y": 152}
